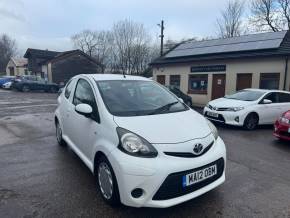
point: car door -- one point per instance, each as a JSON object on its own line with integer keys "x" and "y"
{"x": 32, "y": 83}
{"x": 284, "y": 102}
{"x": 82, "y": 131}
{"x": 269, "y": 112}
{"x": 39, "y": 85}
{"x": 66, "y": 104}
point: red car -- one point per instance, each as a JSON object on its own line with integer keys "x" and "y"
{"x": 282, "y": 127}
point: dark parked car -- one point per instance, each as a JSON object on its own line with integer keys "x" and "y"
{"x": 26, "y": 84}
{"x": 187, "y": 99}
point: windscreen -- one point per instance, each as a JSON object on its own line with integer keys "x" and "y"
{"x": 138, "y": 98}
{"x": 246, "y": 95}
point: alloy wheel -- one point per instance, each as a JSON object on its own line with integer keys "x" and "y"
{"x": 105, "y": 180}
{"x": 252, "y": 122}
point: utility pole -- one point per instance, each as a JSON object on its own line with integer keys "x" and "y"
{"x": 161, "y": 36}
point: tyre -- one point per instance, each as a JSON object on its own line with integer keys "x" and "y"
{"x": 58, "y": 133}
{"x": 251, "y": 121}
{"x": 106, "y": 182}
{"x": 25, "y": 88}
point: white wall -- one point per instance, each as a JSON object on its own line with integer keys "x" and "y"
{"x": 233, "y": 67}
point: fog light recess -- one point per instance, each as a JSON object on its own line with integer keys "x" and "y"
{"x": 237, "y": 119}
{"x": 137, "y": 193}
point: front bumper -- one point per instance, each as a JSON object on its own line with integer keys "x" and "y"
{"x": 6, "y": 86}
{"x": 281, "y": 130}
{"x": 227, "y": 117}
{"x": 160, "y": 178}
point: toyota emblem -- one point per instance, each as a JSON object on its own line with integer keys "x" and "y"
{"x": 198, "y": 148}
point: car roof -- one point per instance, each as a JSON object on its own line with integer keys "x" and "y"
{"x": 266, "y": 90}
{"x": 104, "y": 77}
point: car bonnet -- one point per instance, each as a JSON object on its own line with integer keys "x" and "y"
{"x": 168, "y": 128}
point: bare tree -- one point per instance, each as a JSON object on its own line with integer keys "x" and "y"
{"x": 103, "y": 50}
{"x": 85, "y": 41}
{"x": 127, "y": 48}
{"x": 8, "y": 49}
{"x": 131, "y": 47}
{"x": 230, "y": 22}
{"x": 96, "y": 44}
{"x": 285, "y": 12}
{"x": 271, "y": 15}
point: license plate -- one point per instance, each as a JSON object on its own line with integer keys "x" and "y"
{"x": 199, "y": 176}
{"x": 212, "y": 114}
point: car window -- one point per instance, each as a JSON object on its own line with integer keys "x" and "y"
{"x": 273, "y": 97}
{"x": 84, "y": 95}
{"x": 284, "y": 97}
{"x": 68, "y": 89}
{"x": 137, "y": 98}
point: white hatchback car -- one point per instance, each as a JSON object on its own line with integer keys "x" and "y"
{"x": 249, "y": 107}
{"x": 145, "y": 146}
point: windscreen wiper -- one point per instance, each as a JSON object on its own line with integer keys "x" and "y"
{"x": 163, "y": 108}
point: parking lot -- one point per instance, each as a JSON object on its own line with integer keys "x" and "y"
{"x": 40, "y": 179}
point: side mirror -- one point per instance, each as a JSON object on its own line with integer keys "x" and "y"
{"x": 84, "y": 109}
{"x": 267, "y": 101}
{"x": 180, "y": 99}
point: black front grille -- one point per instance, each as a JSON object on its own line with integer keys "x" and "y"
{"x": 188, "y": 154}
{"x": 218, "y": 108}
{"x": 223, "y": 109}
{"x": 219, "y": 118}
{"x": 282, "y": 133}
{"x": 172, "y": 186}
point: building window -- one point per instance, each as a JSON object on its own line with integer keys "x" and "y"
{"x": 175, "y": 80}
{"x": 269, "y": 80}
{"x": 284, "y": 98}
{"x": 161, "y": 79}
{"x": 197, "y": 84}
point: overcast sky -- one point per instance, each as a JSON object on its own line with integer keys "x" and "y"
{"x": 48, "y": 24}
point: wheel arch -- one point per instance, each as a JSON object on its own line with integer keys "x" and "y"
{"x": 57, "y": 120}
{"x": 252, "y": 112}
{"x": 97, "y": 156}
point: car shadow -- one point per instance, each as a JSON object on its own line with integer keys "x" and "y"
{"x": 282, "y": 145}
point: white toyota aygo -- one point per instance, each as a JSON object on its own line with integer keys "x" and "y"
{"x": 144, "y": 145}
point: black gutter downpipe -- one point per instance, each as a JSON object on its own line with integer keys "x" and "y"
{"x": 286, "y": 69}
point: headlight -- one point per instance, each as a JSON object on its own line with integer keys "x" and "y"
{"x": 284, "y": 120}
{"x": 236, "y": 108}
{"x": 135, "y": 145}
{"x": 213, "y": 129}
